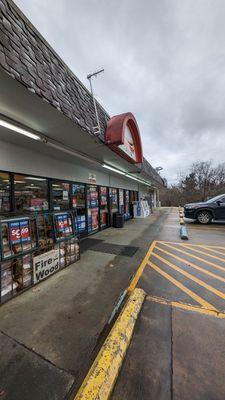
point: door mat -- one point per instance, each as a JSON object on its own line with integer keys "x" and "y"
{"x": 88, "y": 243}
{"x": 117, "y": 249}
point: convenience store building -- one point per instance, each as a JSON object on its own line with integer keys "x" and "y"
{"x": 52, "y": 158}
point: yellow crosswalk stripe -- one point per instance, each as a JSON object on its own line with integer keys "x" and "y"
{"x": 207, "y": 254}
{"x": 215, "y": 251}
{"x": 185, "y": 306}
{"x": 193, "y": 256}
{"x": 192, "y": 294}
{"x": 193, "y": 245}
{"x": 190, "y": 276}
{"x": 205, "y": 271}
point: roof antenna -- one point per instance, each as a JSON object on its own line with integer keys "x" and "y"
{"x": 96, "y": 129}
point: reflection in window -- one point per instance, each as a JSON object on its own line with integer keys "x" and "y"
{"x": 30, "y": 193}
{"x": 4, "y": 192}
{"x": 60, "y": 195}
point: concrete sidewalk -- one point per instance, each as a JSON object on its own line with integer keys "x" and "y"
{"x": 51, "y": 334}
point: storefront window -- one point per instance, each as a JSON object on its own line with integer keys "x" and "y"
{"x": 31, "y": 193}
{"x": 60, "y": 195}
{"x": 79, "y": 203}
{"x": 4, "y": 192}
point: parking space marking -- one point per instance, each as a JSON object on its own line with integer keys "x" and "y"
{"x": 193, "y": 245}
{"x": 206, "y": 254}
{"x": 185, "y": 306}
{"x": 192, "y": 294}
{"x": 191, "y": 277}
{"x": 140, "y": 269}
{"x": 193, "y": 256}
{"x": 215, "y": 251}
{"x": 170, "y": 250}
{"x": 189, "y": 263}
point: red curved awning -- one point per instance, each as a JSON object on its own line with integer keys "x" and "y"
{"x": 123, "y": 136}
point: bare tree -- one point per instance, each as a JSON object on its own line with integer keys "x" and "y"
{"x": 201, "y": 182}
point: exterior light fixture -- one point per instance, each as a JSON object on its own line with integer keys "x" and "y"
{"x": 125, "y": 174}
{"x": 31, "y": 178}
{"x": 113, "y": 169}
{"x": 18, "y": 129}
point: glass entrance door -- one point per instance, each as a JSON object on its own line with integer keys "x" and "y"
{"x": 127, "y": 205}
{"x": 92, "y": 209}
{"x": 121, "y": 201}
{"x": 78, "y": 199}
{"x": 113, "y": 201}
{"x": 104, "y": 211}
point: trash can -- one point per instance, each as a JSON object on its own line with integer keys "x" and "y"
{"x": 118, "y": 220}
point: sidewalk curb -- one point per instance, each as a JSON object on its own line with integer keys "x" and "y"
{"x": 101, "y": 378}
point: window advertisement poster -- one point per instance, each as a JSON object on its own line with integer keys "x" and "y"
{"x": 81, "y": 223}
{"x": 94, "y": 217}
{"x": 45, "y": 264}
{"x": 103, "y": 194}
{"x": 114, "y": 197}
{"x": 103, "y": 217}
{"x": 121, "y": 199}
{"x": 78, "y": 195}
{"x": 65, "y": 195}
{"x": 63, "y": 224}
{"x": 19, "y": 231}
{"x": 93, "y": 197}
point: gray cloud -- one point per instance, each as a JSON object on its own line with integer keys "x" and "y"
{"x": 164, "y": 61}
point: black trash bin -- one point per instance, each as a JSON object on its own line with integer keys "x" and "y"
{"x": 118, "y": 220}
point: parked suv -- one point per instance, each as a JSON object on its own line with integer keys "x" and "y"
{"x": 206, "y": 211}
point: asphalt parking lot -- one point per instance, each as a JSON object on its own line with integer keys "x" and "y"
{"x": 177, "y": 351}
{"x": 50, "y": 335}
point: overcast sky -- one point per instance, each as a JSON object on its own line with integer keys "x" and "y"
{"x": 164, "y": 61}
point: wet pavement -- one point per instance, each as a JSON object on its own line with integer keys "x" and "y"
{"x": 50, "y": 335}
{"x": 177, "y": 351}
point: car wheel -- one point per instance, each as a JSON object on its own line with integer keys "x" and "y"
{"x": 204, "y": 217}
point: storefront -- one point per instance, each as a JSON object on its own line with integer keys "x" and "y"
{"x": 61, "y": 179}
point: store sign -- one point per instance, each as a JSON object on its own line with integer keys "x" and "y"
{"x": 45, "y": 264}
{"x": 128, "y": 146}
{"x": 65, "y": 195}
{"x": 19, "y": 232}
{"x": 92, "y": 178}
{"x": 123, "y": 137}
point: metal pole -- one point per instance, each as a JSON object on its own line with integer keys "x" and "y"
{"x": 89, "y": 77}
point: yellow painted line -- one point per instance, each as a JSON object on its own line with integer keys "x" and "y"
{"x": 208, "y": 254}
{"x": 101, "y": 378}
{"x": 192, "y": 244}
{"x": 184, "y": 289}
{"x": 195, "y": 266}
{"x": 195, "y": 257}
{"x": 190, "y": 276}
{"x": 215, "y": 251}
{"x": 185, "y": 306}
{"x": 141, "y": 268}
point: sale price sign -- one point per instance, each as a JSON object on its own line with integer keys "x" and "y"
{"x": 63, "y": 224}
{"x": 20, "y": 232}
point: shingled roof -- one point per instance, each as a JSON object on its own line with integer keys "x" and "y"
{"x": 28, "y": 58}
